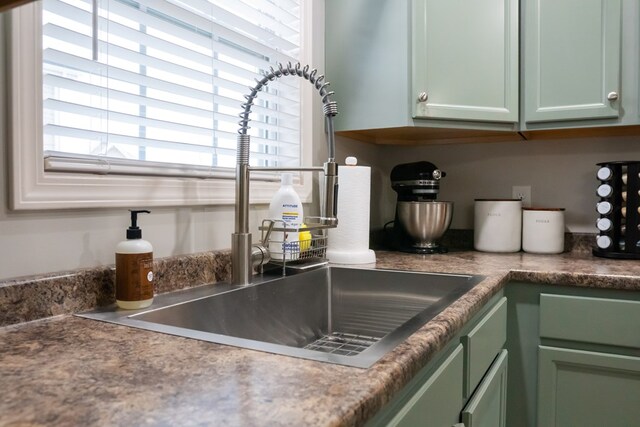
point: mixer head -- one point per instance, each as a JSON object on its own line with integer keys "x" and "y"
{"x": 417, "y": 181}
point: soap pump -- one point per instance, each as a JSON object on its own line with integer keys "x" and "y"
{"x": 134, "y": 268}
{"x": 286, "y": 209}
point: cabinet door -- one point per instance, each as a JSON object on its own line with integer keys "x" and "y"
{"x": 367, "y": 62}
{"x": 488, "y": 406}
{"x": 465, "y": 59}
{"x": 572, "y": 59}
{"x": 483, "y": 343}
{"x": 581, "y": 388}
{"x": 438, "y": 401}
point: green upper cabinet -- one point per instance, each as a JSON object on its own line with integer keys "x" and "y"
{"x": 485, "y": 68}
{"x": 580, "y": 64}
{"x": 367, "y": 57}
{"x": 573, "y": 59}
{"x": 465, "y": 59}
{"x": 381, "y": 54}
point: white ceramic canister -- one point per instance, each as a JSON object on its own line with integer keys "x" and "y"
{"x": 543, "y": 230}
{"x": 497, "y": 225}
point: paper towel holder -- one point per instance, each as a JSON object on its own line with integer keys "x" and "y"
{"x": 349, "y": 241}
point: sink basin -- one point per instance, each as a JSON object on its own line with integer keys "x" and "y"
{"x": 347, "y": 316}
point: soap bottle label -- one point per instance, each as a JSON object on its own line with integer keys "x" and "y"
{"x": 134, "y": 277}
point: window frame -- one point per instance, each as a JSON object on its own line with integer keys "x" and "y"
{"x": 31, "y": 188}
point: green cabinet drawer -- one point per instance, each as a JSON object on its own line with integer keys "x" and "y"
{"x": 590, "y": 320}
{"x": 437, "y": 402}
{"x": 488, "y": 406}
{"x": 483, "y": 344}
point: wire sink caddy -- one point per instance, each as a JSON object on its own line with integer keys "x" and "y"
{"x": 295, "y": 248}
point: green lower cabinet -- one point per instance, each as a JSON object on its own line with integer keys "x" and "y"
{"x": 488, "y": 405}
{"x": 436, "y": 396}
{"x": 584, "y": 388}
{"x": 437, "y": 402}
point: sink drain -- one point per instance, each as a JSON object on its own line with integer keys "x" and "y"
{"x": 342, "y": 343}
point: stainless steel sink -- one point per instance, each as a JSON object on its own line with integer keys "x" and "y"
{"x": 347, "y": 316}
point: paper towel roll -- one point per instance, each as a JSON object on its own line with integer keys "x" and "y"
{"x": 348, "y": 243}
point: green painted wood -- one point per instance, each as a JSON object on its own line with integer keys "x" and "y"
{"x": 591, "y": 320}
{"x": 483, "y": 344}
{"x": 523, "y": 339}
{"x": 401, "y": 399}
{"x": 580, "y": 388}
{"x": 438, "y": 401}
{"x": 488, "y": 405}
{"x": 572, "y": 59}
{"x": 367, "y": 62}
{"x": 465, "y": 57}
{"x": 522, "y": 342}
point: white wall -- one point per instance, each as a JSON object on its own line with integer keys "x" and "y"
{"x": 560, "y": 172}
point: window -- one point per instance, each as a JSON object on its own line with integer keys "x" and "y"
{"x": 139, "y": 99}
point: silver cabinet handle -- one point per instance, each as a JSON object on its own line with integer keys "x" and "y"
{"x": 422, "y": 97}
{"x": 612, "y": 96}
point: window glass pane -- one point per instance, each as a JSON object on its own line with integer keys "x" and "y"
{"x": 163, "y": 81}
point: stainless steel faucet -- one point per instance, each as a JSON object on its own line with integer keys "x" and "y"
{"x": 244, "y": 255}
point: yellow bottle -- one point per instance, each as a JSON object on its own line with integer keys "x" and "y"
{"x": 304, "y": 237}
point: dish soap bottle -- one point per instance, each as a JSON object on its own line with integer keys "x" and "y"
{"x": 286, "y": 207}
{"x": 134, "y": 268}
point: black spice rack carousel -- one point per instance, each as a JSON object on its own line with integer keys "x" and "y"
{"x": 619, "y": 209}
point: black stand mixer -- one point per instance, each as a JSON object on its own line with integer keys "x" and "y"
{"x": 420, "y": 220}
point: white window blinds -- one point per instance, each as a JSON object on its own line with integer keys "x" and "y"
{"x": 155, "y": 86}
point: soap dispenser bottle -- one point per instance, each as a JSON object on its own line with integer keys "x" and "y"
{"x": 134, "y": 268}
{"x": 286, "y": 208}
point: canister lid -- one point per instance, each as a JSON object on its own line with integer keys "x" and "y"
{"x": 603, "y": 241}
{"x": 604, "y": 173}
{"x": 604, "y": 208}
{"x": 498, "y": 200}
{"x": 604, "y": 224}
{"x": 605, "y": 190}
{"x": 542, "y": 209}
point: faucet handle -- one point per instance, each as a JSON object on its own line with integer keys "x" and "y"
{"x": 260, "y": 254}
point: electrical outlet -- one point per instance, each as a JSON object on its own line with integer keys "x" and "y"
{"x": 522, "y": 192}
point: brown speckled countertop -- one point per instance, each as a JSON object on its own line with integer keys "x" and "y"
{"x": 71, "y": 371}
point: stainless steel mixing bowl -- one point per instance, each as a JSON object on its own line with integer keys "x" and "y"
{"x": 425, "y": 222}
